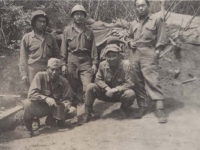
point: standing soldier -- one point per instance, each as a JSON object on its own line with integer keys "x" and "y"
{"x": 78, "y": 50}
{"x": 149, "y": 38}
{"x": 36, "y": 47}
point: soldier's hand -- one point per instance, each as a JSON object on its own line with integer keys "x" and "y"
{"x": 94, "y": 69}
{"x": 25, "y": 79}
{"x": 50, "y": 101}
{"x": 132, "y": 45}
{"x": 110, "y": 92}
{"x": 64, "y": 70}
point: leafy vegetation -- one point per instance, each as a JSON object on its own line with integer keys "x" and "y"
{"x": 15, "y": 21}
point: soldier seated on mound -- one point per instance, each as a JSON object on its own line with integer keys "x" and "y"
{"x": 113, "y": 83}
{"x": 48, "y": 90}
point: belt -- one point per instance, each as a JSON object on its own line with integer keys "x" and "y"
{"x": 80, "y": 53}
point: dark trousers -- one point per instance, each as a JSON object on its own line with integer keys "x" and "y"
{"x": 41, "y": 109}
{"x": 145, "y": 65}
{"x": 94, "y": 91}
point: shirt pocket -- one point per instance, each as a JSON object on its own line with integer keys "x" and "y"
{"x": 49, "y": 49}
{"x": 108, "y": 78}
{"x": 71, "y": 40}
{"x": 120, "y": 81}
{"x": 34, "y": 51}
{"x": 33, "y": 48}
{"x": 150, "y": 31}
{"x": 87, "y": 37}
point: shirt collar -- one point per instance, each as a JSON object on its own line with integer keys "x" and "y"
{"x": 149, "y": 16}
{"x": 57, "y": 82}
{"x": 75, "y": 28}
{"x": 35, "y": 35}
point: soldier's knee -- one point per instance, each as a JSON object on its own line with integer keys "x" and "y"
{"x": 27, "y": 104}
{"x": 129, "y": 94}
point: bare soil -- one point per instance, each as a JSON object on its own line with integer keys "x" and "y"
{"x": 182, "y": 132}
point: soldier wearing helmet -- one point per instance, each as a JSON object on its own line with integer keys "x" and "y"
{"x": 78, "y": 50}
{"x": 36, "y": 47}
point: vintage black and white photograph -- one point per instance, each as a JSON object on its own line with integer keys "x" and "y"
{"x": 99, "y": 74}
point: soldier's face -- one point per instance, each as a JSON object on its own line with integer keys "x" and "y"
{"x": 142, "y": 8}
{"x": 54, "y": 72}
{"x": 112, "y": 58}
{"x": 79, "y": 17}
{"x": 40, "y": 23}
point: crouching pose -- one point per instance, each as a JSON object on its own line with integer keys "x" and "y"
{"x": 113, "y": 83}
{"x": 47, "y": 90}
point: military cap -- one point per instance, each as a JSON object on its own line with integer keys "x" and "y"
{"x": 113, "y": 48}
{"x": 54, "y": 63}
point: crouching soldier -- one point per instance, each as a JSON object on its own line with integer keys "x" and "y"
{"x": 48, "y": 89}
{"x": 113, "y": 83}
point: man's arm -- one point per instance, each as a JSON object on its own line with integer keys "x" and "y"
{"x": 161, "y": 35}
{"x": 35, "y": 93}
{"x": 94, "y": 54}
{"x": 56, "y": 50}
{"x": 64, "y": 47}
{"x": 23, "y": 60}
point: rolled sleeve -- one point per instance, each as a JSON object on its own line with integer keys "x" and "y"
{"x": 161, "y": 34}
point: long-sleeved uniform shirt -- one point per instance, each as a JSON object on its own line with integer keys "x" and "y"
{"x": 41, "y": 87}
{"x": 73, "y": 40}
{"x": 150, "y": 32}
{"x": 34, "y": 49}
{"x": 120, "y": 79}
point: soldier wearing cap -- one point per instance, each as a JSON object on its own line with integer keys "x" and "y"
{"x": 48, "y": 89}
{"x": 113, "y": 83}
{"x": 36, "y": 47}
{"x": 78, "y": 50}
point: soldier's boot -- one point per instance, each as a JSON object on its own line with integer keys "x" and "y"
{"x": 160, "y": 113}
{"x": 50, "y": 121}
{"x": 141, "y": 112}
{"x": 125, "y": 112}
{"x": 36, "y": 124}
{"x": 90, "y": 114}
{"x": 161, "y": 116}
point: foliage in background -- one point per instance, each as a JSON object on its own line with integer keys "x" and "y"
{"x": 15, "y": 21}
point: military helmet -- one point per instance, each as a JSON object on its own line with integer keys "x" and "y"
{"x": 38, "y": 13}
{"x": 78, "y": 8}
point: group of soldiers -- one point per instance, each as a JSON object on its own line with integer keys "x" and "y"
{"x": 45, "y": 67}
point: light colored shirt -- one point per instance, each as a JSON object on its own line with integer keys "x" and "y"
{"x": 150, "y": 32}
{"x": 73, "y": 41}
{"x": 41, "y": 87}
{"x": 121, "y": 78}
{"x": 33, "y": 49}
